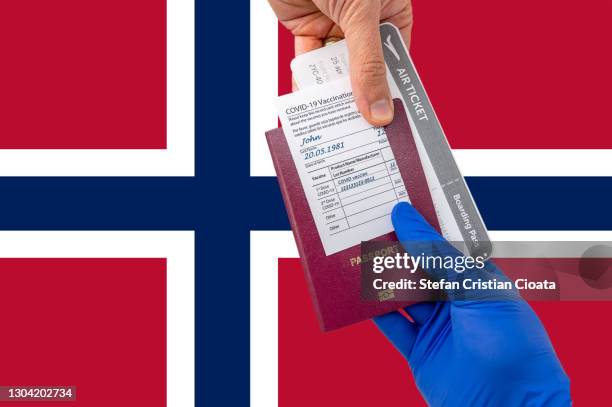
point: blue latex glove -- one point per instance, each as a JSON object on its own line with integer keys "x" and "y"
{"x": 473, "y": 352}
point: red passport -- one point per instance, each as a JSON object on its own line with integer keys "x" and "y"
{"x": 335, "y": 281}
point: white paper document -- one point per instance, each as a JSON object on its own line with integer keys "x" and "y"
{"x": 346, "y": 166}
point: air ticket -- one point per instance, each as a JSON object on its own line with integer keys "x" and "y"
{"x": 457, "y": 213}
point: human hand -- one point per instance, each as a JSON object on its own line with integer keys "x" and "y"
{"x": 472, "y": 352}
{"x": 312, "y": 22}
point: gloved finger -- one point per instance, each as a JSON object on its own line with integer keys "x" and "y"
{"x": 421, "y": 240}
{"x": 398, "y": 330}
{"x": 368, "y": 69}
{"x": 421, "y": 312}
{"x": 410, "y": 226}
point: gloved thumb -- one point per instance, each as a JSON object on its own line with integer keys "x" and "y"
{"x": 419, "y": 238}
{"x": 368, "y": 70}
{"x": 410, "y": 226}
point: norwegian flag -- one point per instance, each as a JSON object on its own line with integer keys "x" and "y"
{"x": 108, "y": 89}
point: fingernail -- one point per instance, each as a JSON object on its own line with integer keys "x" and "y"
{"x": 381, "y": 111}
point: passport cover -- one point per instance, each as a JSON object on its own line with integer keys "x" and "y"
{"x": 335, "y": 281}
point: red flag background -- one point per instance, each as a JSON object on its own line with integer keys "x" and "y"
{"x": 83, "y": 74}
{"x": 97, "y": 324}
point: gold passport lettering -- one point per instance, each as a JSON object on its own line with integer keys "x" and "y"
{"x": 386, "y": 251}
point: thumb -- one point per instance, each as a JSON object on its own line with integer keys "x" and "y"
{"x": 410, "y": 226}
{"x": 420, "y": 239}
{"x": 366, "y": 60}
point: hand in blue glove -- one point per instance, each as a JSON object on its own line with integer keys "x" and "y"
{"x": 485, "y": 352}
